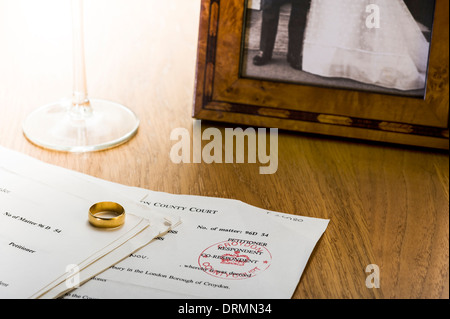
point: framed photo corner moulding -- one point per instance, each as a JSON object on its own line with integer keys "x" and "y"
{"x": 370, "y": 70}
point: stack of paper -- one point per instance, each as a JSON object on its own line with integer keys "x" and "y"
{"x": 222, "y": 249}
{"x": 47, "y": 245}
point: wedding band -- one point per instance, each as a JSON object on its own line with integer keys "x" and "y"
{"x": 106, "y": 215}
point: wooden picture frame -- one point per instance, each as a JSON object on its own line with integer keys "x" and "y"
{"x": 222, "y": 94}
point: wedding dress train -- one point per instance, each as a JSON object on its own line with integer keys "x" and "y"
{"x": 340, "y": 43}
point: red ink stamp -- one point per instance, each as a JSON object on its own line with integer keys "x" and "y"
{"x": 235, "y": 259}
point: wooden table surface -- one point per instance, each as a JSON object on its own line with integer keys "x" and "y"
{"x": 388, "y": 205}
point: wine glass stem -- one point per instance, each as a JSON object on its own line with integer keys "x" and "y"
{"x": 80, "y": 101}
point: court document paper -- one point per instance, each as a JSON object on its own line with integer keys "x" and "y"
{"x": 206, "y": 248}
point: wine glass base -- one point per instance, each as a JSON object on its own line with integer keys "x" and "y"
{"x": 53, "y": 127}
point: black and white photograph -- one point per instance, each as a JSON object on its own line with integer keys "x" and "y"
{"x": 379, "y": 46}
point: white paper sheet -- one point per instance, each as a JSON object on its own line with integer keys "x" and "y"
{"x": 222, "y": 249}
{"x": 43, "y": 232}
{"x": 35, "y": 188}
{"x": 267, "y": 253}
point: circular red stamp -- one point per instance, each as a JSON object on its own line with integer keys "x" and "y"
{"x": 235, "y": 259}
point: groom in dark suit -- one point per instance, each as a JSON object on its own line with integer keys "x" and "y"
{"x": 269, "y": 28}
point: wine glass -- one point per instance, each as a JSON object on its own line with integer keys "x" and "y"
{"x": 80, "y": 124}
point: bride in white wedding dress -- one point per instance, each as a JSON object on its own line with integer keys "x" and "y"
{"x": 339, "y": 43}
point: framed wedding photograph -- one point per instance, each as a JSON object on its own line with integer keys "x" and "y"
{"x": 370, "y": 70}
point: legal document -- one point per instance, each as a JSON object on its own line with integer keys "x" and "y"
{"x": 212, "y": 247}
{"x": 47, "y": 246}
{"x": 222, "y": 249}
{"x": 44, "y": 235}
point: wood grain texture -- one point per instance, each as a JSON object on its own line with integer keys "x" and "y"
{"x": 387, "y": 205}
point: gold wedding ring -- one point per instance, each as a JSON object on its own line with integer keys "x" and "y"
{"x": 106, "y": 215}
